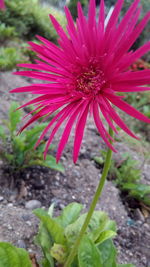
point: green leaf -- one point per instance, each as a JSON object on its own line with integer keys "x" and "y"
{"x": 105, "y": 235}
{"x": 19, "y": 143}
{"x": 138, "y": 191}
{"x": 98, "y": 221}
{"x": 99, "y": 160}
{"x": 105, "y": 225}
{"x": 88, "y": 254}
{"x": 59, "y": 252}
{"x": 54, "y": 229}
{"x": 50, "y": 162}
{"x": 35, "y": 131}
{"x": 44, "y": 240}
{"x": 108, "y": 253}
{"x": 33, "y": 134}
{"x": 2, "y": 133}
{"x": 46, "y": 163}
{"x": 14, "y": 116}
{"x": 69, "y": 214}
{"x": 11, "y": 256}
{"x": 51, "y": 210}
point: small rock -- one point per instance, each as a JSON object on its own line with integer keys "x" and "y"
{"x": 21, "y": 244}
{"x": 1, "y": 198}
{"x": 9, "y": 227}
{"x": 29, "y": 223}
{"x": 33, "y": 204}
{"x": 10, "y": 205}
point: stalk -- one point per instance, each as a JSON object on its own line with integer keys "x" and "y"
{"x": 93, "y": 204}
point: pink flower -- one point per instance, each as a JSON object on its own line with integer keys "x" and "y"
{"x": 2, "y": 4}
{"x": 86, "y": 72}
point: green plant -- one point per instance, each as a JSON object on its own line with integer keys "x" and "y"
{"x": 57, "y": 235}
{"x": 10, "y": 256}
{"x": 6, "y": 32}
{"x": 29, "y": 18}
{"x": 21, "y": 21}
{"x": 138, "y": 191}
{"x": 127, "y": 177}
{"x": 18, "y": 150}
{"x": 127, "y": 172}
{"x": 9, "y": 57}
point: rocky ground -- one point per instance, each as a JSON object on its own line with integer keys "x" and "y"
{"x": 40, "y": 186}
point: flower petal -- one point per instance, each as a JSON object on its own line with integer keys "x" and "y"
{"x": 127, "y": 108}
{"x": 80, "y": 130}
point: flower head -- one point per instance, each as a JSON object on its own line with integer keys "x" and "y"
{"x": 85, "y": 73}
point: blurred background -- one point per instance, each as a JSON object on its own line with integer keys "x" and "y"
{"x": 22, "y": 20}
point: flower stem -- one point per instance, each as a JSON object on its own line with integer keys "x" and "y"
{"x": 92, "y": 206}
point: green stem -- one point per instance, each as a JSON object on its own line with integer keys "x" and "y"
{"x": 92, "y": 206}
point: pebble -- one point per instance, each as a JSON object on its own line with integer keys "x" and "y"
{"x": 33, "y": 204}
{"x": 9, "y": 227}
{"x": 10, "y": 205}
{"x": 1, "y": 198}
{"x": 28, "y": 223}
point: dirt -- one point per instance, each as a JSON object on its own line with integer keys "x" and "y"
{"x": 78, "y": 183}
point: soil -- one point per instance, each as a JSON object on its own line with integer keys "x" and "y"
{"x": 78, "y": 183}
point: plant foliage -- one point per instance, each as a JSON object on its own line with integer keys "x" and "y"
{"x": 18, "y": 150}
{"x": 57, "y": 235}
{"x": 127, "y": 177}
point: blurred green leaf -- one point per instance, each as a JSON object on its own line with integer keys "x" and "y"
{"x": 54, "y": 229}
{"x": 139, "y": 191}
{"x": 59, "y": 252}
{"x": 69, "y": 214}
{"x": 14, "y": 116}
{"x": 50, "y": 162}
{"x": 88, "y": 254}
{"x": 108, "y": 253}
{"x": 10, "y": 256}
{"x": 44, "y": 240}
{"x": 97, "y": 221}
{"x": 2, "y": 133}
{"x": 104, "y": 235}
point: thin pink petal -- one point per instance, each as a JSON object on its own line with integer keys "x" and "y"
{"x": 59, "y": 114}
{"x": 67, "y": 130}
{"x": 51, "y": 88}
{"x": 127, "y": 108}
{"x": 114, "y": 17}
{"x": 113, "y": 114}
{"x": 79, "y": 131}
{"x": 108, "y": 119}
{"x": 100, "y": 126}
{"x": 101, "y": 19}
{"x": 66, "y": 112}
{"x": 91, "y": 13}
